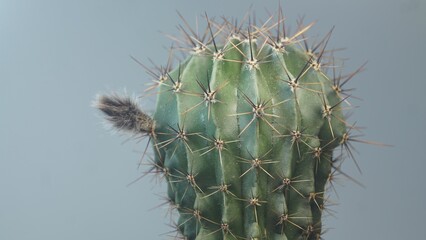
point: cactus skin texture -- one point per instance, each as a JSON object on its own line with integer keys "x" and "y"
{"x": 245, "y": 132}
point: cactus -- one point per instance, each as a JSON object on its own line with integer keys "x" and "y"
{"x": 245, "y": 131}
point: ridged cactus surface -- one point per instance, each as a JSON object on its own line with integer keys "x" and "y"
{"x": 245, "y": 131}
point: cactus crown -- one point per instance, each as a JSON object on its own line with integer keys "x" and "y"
{"x": 245, "y": 130}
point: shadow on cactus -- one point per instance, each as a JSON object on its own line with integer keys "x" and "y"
{"x": 249, "y": 130}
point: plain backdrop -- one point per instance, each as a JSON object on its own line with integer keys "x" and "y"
{"x": 63, "y": 175}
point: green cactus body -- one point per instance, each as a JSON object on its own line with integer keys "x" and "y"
{"x": 244, "y": 132}
{"x": 245, "y": 135}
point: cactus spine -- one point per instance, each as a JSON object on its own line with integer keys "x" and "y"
{"x": 245, "y": 131}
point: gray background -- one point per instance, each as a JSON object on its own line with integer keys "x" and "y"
{"x": 64, "y": 176}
